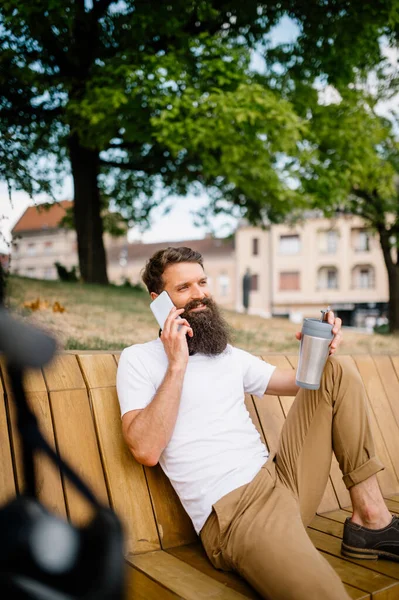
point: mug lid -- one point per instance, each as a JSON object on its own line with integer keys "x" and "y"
{"x": 317, "y": 328}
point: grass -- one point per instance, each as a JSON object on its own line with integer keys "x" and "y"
{"x": 111, "y": 318}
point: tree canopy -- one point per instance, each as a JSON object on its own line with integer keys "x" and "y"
{"x": 136, "y": 98}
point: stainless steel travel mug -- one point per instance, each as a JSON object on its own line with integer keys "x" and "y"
{"x": 313, "y": 353}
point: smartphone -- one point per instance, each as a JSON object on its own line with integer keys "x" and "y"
{"x": 161, "y": 307}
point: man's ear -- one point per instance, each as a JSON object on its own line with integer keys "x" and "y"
{"x": 153, "y": 295}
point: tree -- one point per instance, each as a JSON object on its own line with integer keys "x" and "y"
{"x": 103, "y": 87}
{"x": 352, "y": 166}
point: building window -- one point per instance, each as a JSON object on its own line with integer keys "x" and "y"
{"x": 48, "y": 247}
{"x": 361, "y": 240}
{"x": 49, "y": 273}
{"x": 30, "y": 271}
{"x": 31, "y": 249}
{"x": 255, "y": 246}
{"x": 289, "y": 281}
{"x": 224, "y": 284}
{"x": 363, "y": 277}
{"x": 289, "y": 244}
{"x": 328, "y": 241}
{"x": 327, "y": 278}
{"x": 254, "y": 283}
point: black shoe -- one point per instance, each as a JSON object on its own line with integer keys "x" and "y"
{"x": 371, "y": 544}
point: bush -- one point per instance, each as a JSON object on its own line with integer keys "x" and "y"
{"x": 382, "y": 329}
{"x": 136, "y": 287}
{"x": 64, "y": 274}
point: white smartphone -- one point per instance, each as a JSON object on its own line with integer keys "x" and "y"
{"x": 161, "y": 307}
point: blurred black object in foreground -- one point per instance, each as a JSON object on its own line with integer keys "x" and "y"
{"x": 43, "y": 557}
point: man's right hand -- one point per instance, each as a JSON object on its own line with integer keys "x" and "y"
{"x": 173, "y": 337}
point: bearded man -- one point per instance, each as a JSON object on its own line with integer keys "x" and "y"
{"x": 182, "y": 405}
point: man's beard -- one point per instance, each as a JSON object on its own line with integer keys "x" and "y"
{"x": 211, "y": 332}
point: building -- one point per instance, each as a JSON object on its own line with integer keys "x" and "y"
{"x": 39, "y": 240}
{"x": 298, "y": 270}
{"x": 128, "y": 261}
{"x": 295, "y": 270}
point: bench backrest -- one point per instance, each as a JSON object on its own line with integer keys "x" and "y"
{"x": 76, "y": 403}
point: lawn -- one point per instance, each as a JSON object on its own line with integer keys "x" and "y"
{"x": 111, "y": 318}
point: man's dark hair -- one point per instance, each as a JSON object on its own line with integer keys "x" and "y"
{"x": 156, "y": 265}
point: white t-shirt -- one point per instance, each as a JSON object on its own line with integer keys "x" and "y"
{"x": 215, "y": 447}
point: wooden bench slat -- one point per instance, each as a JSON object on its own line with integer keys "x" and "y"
{"x": 194, "y": 555}
{"x": 382, "y": 420}
{"x": 395, "y": 362}
{"x": 33, "y": 379}
{"x": 390, "y": 382}
{"x": 99, "y": 370}
{"x": 174, "y": 525}
{"x": 63, "y": 373}
{"x": 368, "y": 575}
{"x": 181, "y": 578}
{"x": 363, "y": 578}
{"x": 249, "y": 403}
{"x": 77, "y": 444}
{"x": 7, "y": 482}
{"x": 125, "y": 477}
{"x": 48, "y": 477}
{"x": 141, "y": 587}
{"x": 355, "y": 593}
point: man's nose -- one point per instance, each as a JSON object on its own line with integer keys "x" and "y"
{"x": 198, "y": 293}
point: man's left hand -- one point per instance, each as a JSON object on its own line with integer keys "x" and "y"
{"x": 337, "y": 331}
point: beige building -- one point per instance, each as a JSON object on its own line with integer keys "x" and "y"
{"x": 295, "y": 270}
{"x": 39, "y": 241}
{"x": 301, "y": 269}
{"x": 127, "y": 263}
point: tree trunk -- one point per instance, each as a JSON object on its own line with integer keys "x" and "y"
{"x": 87, "y": 212}
{"x": 393, "y": 281}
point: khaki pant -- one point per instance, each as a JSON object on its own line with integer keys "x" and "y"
{"x": 259, "y": 530}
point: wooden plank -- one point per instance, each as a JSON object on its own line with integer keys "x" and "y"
{"x": 77, "y": 444}
{"x": 194, "y": 555}
{"x": 125, "y": 477}
{"x": 392, "y": 506}
{"x": 249, "y": 403}
{"x": 384, "y": 427}
{"x": 379, "y": 586}
{"x": 389, "y": 382}
{"x": 48, "y": 477}
{"x": 117, "y": 356}
{"x": 330, "y": 528}
{"x": 271, "y": 419}
{"x": 99, "y": 370}
{"x": 174, "y": 525}
{"x": 7, "y": 483}
{"x": 395, "y": 362}
{"x": 386, "y": 572}
{"x": 33, "y": 379}
{"x": 355, "y": 593}
{"x": 141, "y": 587}
{"x": 63, "y": 374}
{"x": 181, "y": 578}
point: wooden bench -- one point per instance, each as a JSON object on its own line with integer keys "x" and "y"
{"x": 75, "y": 400}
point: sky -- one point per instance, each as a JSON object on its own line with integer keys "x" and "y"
{"x": 179, "y": 224}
